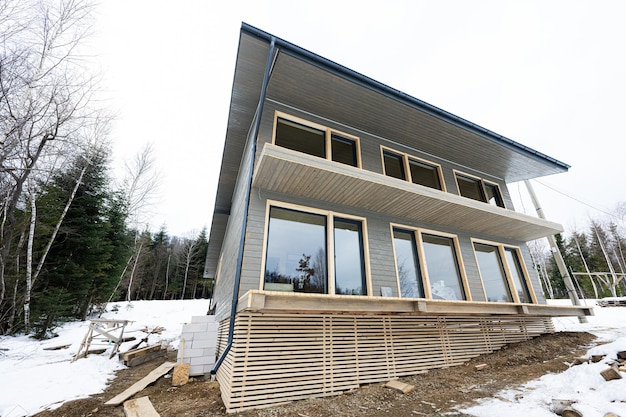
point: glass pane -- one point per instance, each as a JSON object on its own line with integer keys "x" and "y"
{"x": 492, "y": 273}
{"x": 470, "y": 188}
{"x": 409, "y": 274}
{"x": 443, "y": 268}
{"x": 349, "y": 261}
{"x": 343, "y": 150}
{"x": 518, "y": 275}
{"x": 393, "y": 165}
{"x": 300, "y": 138}
{"x": 424, "y": 174}
{"x": 493, "y": 195}
{"x": 296, "y": 252}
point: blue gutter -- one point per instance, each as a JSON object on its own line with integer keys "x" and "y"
{"x": 340, "y": 70}
{"x": 242, "y": 240}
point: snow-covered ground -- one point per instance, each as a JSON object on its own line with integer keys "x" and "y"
{"x": 33, "y": 379}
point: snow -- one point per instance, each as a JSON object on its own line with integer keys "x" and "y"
{"x": 27, "y": 369}
{"x": 34, "y": 379}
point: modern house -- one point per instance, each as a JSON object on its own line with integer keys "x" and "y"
{"x": 360, "y": 234}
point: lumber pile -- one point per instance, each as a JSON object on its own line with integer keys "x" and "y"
{"x": 141, "y": 384}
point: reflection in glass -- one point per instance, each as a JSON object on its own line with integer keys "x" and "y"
{"x": 493, "y": 195}
{"x": 424, "y": 174}
{"x": 407, "y": 264}
{"x": 300, "y": 138}
{"x": 343, "y": 150}
{"x": 470, "y": 188}
{"x": 492, "y": 273}
{"x": 296, "y": 252}
{"x": 349, "y": 261}
{"x": 518, "y": 275}
{"x": 394, "y": 167}
{"x": 443, "y": 268}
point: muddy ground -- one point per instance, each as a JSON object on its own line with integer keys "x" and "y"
{"x": 436, "y": 392}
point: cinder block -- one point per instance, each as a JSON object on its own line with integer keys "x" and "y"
{"x": 183, "y": 360}
{"x": 204, "y": 336}
{"x": 203, "y": 319}
{"x": 188, "y": 336}
{"x": 193, "y": 353}
{"x": 196, "y": 370}
{"x": 195, "y": 328}
{"x": 209, "y": 351}
{"x": 201, "y": 344}
{"x": 205, "y": 360}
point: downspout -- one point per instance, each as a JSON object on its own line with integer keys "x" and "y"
{"x": 242, "y": 240}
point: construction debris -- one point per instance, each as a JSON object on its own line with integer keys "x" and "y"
{"x": 180, "y": 376}
{"x": 571, "y": 412}
{"x": 611, "y": 373}
{"x": 140, "y": 407}
{"x": 481, "y": 367}
{"x": 138, "y": 356}
{"x": 141, "y": 384}
{"x": 400, "y": 386}
{"x": 57, "y": 347}
{"x": 559, "y": 405}
{"x": 104, "y": 332}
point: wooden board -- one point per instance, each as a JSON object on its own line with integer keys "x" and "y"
{"x": 140, "y": 407}
{"x": 141, "y": 384}
{"x": 133, "y": 353}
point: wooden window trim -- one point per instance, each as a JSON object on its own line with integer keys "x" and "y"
{"x": 330, "y": 216}
{"x": 418, "y": 231}
{"x": 328, "y": 132}
{"x": 407, "y": 169}
{"x": 482, "y": 183}
{"x": 507, "y": 269}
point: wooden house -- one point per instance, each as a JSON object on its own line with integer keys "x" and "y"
{"x": 360, "y": 234}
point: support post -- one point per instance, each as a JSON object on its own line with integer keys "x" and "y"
{"x": 567, "y": 280}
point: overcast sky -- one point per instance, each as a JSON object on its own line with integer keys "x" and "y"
{"x": 548, "y": 74}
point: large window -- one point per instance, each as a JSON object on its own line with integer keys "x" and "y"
{"x": 444, "y": 274}
{"x": 317, "y": 141}
{"x": 419, "y": 172}
{"x": 297, "y": 254}
{"x": 517, "y": 274}
{"x": 492, "y": 273}
{"x": 407, "y": 264}
{"x": 479, "y": 190}
{"x": 502, "y": 273}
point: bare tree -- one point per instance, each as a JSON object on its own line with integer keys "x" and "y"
{"x": 46, "y": 99}
{"x": 141, "y": 185}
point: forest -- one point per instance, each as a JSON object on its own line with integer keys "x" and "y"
{"x": 74, "y": 236}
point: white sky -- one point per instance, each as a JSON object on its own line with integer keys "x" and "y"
{"x": 547, "y": 74}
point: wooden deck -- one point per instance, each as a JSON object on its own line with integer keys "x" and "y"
{"x": 281, "y": 356}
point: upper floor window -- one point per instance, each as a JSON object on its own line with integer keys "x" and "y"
{"x": 480, "y": 190}
{"x": 405, "y": 167}
{"x": 317, "y": 140}
{"x": 298, "y": 247}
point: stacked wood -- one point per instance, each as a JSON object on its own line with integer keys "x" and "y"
{"x": 611, "y": 373}
{"x": 138, "y": 356}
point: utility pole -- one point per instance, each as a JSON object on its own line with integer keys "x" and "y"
{"x": 567, "y": 280}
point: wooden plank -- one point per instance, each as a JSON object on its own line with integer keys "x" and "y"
{"x": 140, "y": 407}
{"x": 133, "y": 353}
{"x": 145, "y": 358}
{"x": 141, "y": 384}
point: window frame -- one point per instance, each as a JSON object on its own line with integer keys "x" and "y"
{"x": 507, "y": 270}
{"x": 328, "y": 137}
{"x": 406, "y": 158}
{"x": 418, "y": 232}
{"x": 330, "y": 244}
{"x": 483, "y": 190}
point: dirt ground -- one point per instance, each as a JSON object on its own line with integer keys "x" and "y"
{"x": 436, "y": 392}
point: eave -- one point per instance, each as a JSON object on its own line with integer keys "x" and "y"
{"x": 294, "y": 173}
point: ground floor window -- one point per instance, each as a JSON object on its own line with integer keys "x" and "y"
{"x": 502, "y": 273}
{"x": 298, "y": 244}
{"x": 426, "y": 258}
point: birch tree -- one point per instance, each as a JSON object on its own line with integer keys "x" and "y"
{"x": 46, "y": 98}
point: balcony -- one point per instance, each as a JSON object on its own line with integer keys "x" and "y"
{"x": 285, "y": 171}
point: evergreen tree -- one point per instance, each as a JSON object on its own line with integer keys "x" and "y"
{"x": 88, "y": 254}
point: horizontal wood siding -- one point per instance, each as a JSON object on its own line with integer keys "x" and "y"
{"x": 276, "y": 358}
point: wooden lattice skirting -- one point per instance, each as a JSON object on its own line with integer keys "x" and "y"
{"x": 277, "y": 358}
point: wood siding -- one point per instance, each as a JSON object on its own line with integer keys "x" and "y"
{"x": 277, "y": 358}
